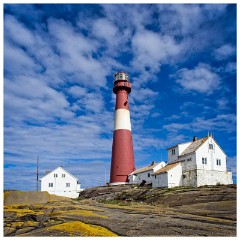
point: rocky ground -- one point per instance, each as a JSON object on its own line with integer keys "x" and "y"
{"x": 128, "y": 211}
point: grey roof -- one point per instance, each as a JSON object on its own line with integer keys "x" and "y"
{"x": 167, "y": 168}
{"x": 194, "y": 146}
{"x": 177, "y": 145}
{"x": 144, "y": 169}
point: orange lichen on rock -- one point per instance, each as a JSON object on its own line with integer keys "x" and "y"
{"x": 77, "y": 228}
{"x": 81, "y": 212}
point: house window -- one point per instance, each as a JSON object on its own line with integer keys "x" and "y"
{"x": 210, "y": 146}
{"x": 63, "y": 175}
{"x": 148, "y": 174}
{"x": 173, "y": 151}
{"x": 204, "y": 160}
{"x": 219, "y": 162}
{"x": 55, "y": 175}
{"x": 155, "y": 176}
{"x": 50, "y": 184}
{"x": 189, "y": 159}
{"x": 67, "y": 184}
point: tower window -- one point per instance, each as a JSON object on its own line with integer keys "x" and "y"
{"x": 50, "y": 184}
{"x": 173, "y": 151}
{"x": 55, "y": 175}
{"x": 67, "y": 184}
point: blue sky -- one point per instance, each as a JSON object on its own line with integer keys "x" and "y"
{"x": 59, "y": 62}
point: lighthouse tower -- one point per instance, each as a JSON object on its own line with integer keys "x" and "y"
{"x": 122, "y": 148}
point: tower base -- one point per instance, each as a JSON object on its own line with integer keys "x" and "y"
{"x": 118, "y": 183}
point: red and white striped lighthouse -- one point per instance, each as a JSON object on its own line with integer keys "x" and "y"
{"x": 122, "y": 163}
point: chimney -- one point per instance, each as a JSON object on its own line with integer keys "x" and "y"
{"x": 195, "y": 139}
{"x": 153, "y": 162}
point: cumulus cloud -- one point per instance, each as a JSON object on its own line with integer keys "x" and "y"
{"x": 31, "y": 99}
{"x": 104, "y": 29}
{"x": 153, "y": 49}
{"x": 222, "y": 122}
{"x": 200, "y": 79}
{"x": 224, "y": 52}
{"x": 18, "y": 32}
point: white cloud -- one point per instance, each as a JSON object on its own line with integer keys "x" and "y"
{"x": 103, "y": 28}
{"x": 153, "y": 49}
{"x": 230, "y": 67}
{"x": 222, "y": 122}
{"x": 17, "y": 32}
{"x": 224, "y": 52}
{"x": 144, "y": 95}
{"x": 77, "y": 91}
{"x": 222, "y": 103}
{"x": 18, "y": 61}
{"x": 76, "y": 54}
{"x": 200, "y": 79}
{"x": 31, "y": 99}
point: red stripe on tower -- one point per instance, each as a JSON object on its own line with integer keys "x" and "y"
{"x": 122, "y": 163}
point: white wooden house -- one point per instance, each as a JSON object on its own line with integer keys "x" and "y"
{"x": 200, "y": 162}
{"x": 60, "y": 182}
{"x": 168, "y": 176}
{"x": 145, "y": 173}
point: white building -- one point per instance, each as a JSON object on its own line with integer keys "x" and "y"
{"x": 145, "y": 173}
{"x": 61, "y": 183}
{"x": 197, "y": 163}
{"x": 168, "y": 176}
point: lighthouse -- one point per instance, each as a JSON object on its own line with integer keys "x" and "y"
{"x": 122, "y": 163}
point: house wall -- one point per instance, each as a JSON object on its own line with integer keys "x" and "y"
{"x": 183, "y": 146}
{"x": 189, "y": 178}
{"x": 132, "y": 178}
{"x": 158, "y": 166}
{"x": 173, "y": 178}
{"x": 173, "y": 157}
{"x": 178, "y": 150}
{"x": 160, "y": 180}
{"x": 139, "y": 177}
{"x": 212, "y": 155}
{"x": 144, "y": 176}
{"x": 209, "y": 177}
{"x": 188, "y": 162}
{"x": 60, "y": 184}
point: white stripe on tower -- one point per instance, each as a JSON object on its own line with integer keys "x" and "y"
{"x": 122, "y": 119}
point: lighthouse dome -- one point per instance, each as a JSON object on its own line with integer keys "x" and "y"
{"x": 121, "y": 76}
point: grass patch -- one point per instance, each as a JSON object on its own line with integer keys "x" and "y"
{"x": 77, "y": 228}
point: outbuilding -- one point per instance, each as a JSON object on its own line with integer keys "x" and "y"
{"x": 168, "y": 176}
{"x": 144, "y": 174}
{"x": 60, "y": 182}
